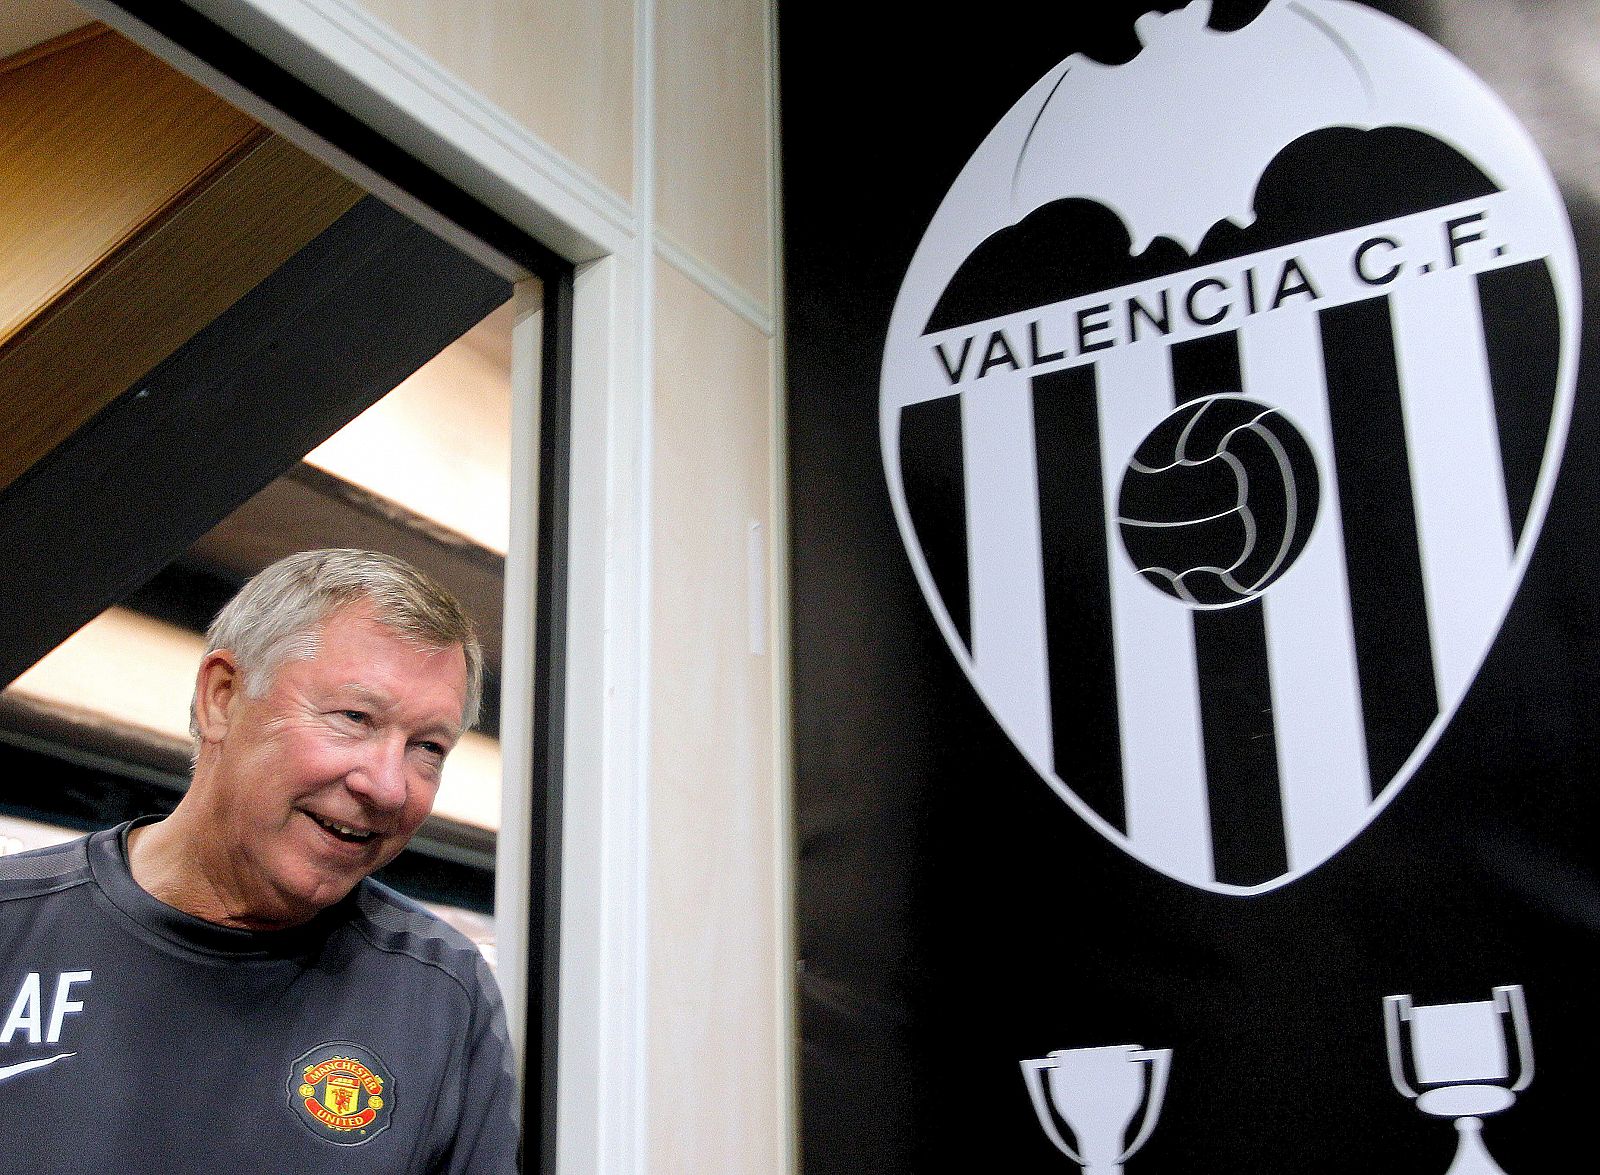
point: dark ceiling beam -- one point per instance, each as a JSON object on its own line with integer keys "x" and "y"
{"x": 334, "y": 329}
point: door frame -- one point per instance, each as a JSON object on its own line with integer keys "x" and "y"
{"x": 347, "y": 89}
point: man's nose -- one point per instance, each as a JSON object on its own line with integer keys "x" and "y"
{"x": 380, "y": 779}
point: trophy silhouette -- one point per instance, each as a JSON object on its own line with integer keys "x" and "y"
{"x": 1461, "y": 1063}
{"x": 1096, "y": 1093}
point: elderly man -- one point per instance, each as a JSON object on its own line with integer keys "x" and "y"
{"x": 226, "y": 989}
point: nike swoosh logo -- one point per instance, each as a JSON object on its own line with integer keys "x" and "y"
{"x": 12, "y": 1070}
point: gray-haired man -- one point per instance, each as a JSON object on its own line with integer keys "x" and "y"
{"x": 226, "y": 988}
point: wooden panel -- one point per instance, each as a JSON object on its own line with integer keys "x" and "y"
{"x": 42, "y": 27}
{"x": 717, "y": 1065}
{"x": 96, "y": 140}
{"x": 150, "y": 246}
{"x": 561, "y": 68}
{"x": 713, "y": 137}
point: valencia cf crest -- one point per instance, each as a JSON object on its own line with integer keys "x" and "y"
{"x": 1221, "y": 407}
{"x": 342, "y": 1092}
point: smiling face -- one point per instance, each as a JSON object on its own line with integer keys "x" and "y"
{"x": 324, "y": 776}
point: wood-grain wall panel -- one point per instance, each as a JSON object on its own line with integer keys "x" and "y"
{"x": 716, "y": 1067}
{"x": 561, "y": 68}
{"x": 96, "y": 140}
{"x": 151, "y": 240}
{"x": 714, "y": 138}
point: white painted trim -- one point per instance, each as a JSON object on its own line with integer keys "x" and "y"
{"x": 713, "y": 282}
{"x": 513, "y": 855}
{"x": 601, "y": 1047}
{"x": 786, "y": 906}
{"x": 358, "y": 62}
{"x": 634, "y": 1156}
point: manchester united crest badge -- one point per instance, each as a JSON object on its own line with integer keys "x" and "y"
{"x": 342, "y": 1092}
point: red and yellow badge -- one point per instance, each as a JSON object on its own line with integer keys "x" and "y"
{"x": 342, "y": 1092}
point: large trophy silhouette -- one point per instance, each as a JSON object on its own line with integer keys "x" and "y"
{"x": 1096, "y": 1093}
{"x": 1461, "y": 1064}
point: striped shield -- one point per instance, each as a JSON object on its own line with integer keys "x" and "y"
{"x": 1220, "y": 508}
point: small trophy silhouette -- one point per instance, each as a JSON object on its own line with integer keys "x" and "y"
{"x": 1460, "y": 1060}
{"x": 1096, "y": 1093}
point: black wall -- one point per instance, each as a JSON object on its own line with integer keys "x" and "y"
{"x": 957, "y": 917}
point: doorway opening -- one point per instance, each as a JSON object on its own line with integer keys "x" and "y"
{"x": 219, "y": 348}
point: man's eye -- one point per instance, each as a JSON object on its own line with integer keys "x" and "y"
{"x": 438, "y": 750}
{"x": 357, "y": 716}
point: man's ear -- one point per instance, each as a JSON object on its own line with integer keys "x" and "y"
{"x": 218, "y": 688}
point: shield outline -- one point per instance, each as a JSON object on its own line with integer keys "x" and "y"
{"x": 954, "y": 232}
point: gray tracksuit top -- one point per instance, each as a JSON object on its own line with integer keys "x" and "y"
{"x": 136, "y": 1038}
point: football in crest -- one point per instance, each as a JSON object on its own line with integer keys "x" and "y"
{"x": 1218, "y": 501}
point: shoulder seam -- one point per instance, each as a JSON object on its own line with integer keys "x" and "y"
{"x": 47, "y": 890}
{"x": 364, "y": 927}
